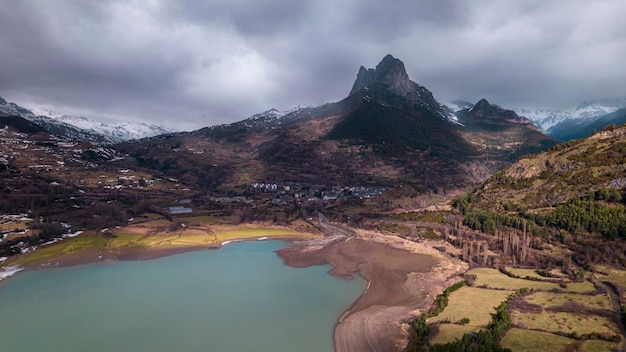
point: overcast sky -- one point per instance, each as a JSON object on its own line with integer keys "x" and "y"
{"x": 195, "y": 63}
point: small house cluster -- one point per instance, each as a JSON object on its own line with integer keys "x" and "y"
{"x": 285, "y": 192}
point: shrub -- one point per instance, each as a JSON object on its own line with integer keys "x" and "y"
{"x": 463, "y": 321}
{"x": 470, "y": 279}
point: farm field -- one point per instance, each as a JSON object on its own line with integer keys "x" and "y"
{"x": 521, "y": 340}
{"x": 464, "y": 303}
{"x": 494, "y": 279}
{"x": 545, "y": 317}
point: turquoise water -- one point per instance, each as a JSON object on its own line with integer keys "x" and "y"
{"x": 239, "y": 298}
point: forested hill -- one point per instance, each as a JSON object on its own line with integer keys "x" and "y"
{"x": 573, "y": 194}
{"x": 567, "y": 171}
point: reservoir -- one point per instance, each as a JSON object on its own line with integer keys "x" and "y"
{"x": 239, "y": 298}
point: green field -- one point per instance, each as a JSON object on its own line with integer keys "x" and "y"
{"x": 600, "y": 346}
{"x": 520, "y": 340}
{"x": 523, "y": 273}
{"x": 249, "y": 232}
{"x": 117, "y": 242}
{"x": 205, "y": 220}
{"x": 492, "y": 278}
{"x": 550, "y": 299}
{"x": 450, "y": 332}
{"x": 566, "y": 322}
{"x": 585, "y": 311}
{"x": 477, "y": 304}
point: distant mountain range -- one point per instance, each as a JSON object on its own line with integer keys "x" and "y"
{"x": 81, "y": 128}
{"x": 576, "y": 123}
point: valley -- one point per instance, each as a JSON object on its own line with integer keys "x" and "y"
{"x": 435, "y": 209}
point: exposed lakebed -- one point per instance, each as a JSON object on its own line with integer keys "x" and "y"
{"x": 241, "y": 297}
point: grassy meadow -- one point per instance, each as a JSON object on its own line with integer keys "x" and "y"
{"x": 150, "y": 233}
{"x": 548, "y": 317}
{"x": 522, "y": 340}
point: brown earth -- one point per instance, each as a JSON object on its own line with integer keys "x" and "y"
{"x": 404, "y": 278}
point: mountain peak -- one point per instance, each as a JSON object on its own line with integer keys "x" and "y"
{"x": 483, "y": 108}
{"x": 484, "y": 112}
{"x": 389, "y": 72}
{"x": 390, "y": 76}
{"x": 483, "y": 103}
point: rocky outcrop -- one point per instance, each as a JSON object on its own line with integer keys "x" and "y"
{"x": 390, "y": 76}
{"x": 390, "y": 72}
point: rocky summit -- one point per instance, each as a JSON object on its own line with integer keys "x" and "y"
{"x": 390, "y": 72}
{"x": 390, "y": 76}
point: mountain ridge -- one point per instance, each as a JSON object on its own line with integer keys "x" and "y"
{"x": 584, "y": 117}
{"x": 387, "y": 130}
{"x": 82, "y": 128}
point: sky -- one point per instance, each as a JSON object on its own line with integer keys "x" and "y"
{"x": 187, "y": 64}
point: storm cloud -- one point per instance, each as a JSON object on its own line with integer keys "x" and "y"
{"x": 189, "y": 64}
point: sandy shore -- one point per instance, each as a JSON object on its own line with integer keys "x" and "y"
{"x": 404, "y": 278}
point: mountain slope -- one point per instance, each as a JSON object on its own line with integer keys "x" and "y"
{"x": 68, "y": 131}
{"x": 20, "y": 125}
{"x": 12, "y": 109}
{"x": 81, "y": 128}
{"x": 110, "y": 132}
{"x": 484, "y": 113}
{"x": 501, "y": 134}
{"x": 616, "y": 118}
{"x": 566, "y": 171}
{"x": 388, "y": 130}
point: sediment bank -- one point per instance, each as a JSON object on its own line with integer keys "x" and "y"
{"x": 404, "y": 278}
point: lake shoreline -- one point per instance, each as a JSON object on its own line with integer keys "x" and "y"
{"x": 403, "y": 276}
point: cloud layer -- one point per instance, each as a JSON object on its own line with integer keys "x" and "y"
{"x": 192, "y": 63}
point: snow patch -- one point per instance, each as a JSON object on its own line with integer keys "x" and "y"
{"x": 9, "y": 271}
{"x": 70, "y": 235}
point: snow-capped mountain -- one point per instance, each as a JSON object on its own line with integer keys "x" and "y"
{"x": 544, "y": 118}
{"x": 600, "y": 107}
{"x": 269, "y": 118}
{"x": 82, "y": 128}
{"x": 115, "y": 132}
{"x": 12, "y": 109}
{"x": 562, "y": 123}
{"x": 68, "y": 131}
{"x": 51, "y": 125}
